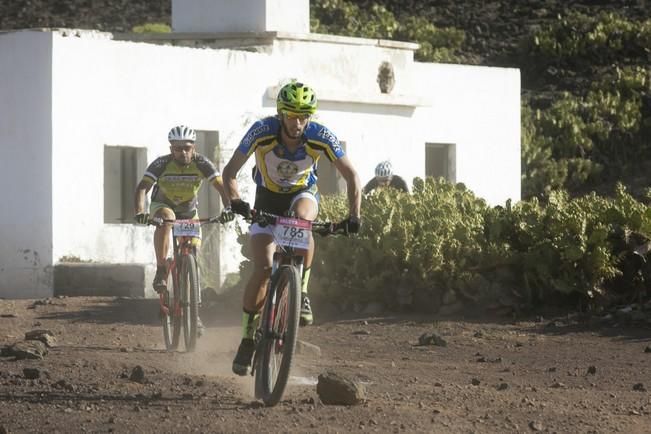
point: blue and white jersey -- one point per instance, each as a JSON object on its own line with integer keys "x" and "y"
{"x": 280, "y": 170}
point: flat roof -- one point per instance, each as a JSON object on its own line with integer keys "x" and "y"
{"x": 265, "y": 38}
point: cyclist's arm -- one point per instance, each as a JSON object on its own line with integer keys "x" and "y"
{"x": 352, "y": 183}
{"x": 230, "y": 174}
{"x": 399, "y": 183}
{"x": 370, "y": 186}
{"x": 139, "y": 197}
{"x": 218, "y": 183}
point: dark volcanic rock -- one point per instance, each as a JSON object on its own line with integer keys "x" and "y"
{"x": 27, "y": 350}
{"x": 335, "y": 389}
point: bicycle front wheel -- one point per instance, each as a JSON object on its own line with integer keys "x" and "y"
{"x": 189, "y": 282}
{"x": 279, "y": 320}
{"x": 170, "y": 319}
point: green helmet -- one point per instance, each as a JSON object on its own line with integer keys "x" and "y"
{"x": 296, "y": 98}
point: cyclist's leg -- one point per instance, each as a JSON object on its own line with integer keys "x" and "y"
{"x": 306, "y": 206}
{"x": 162, "y": 241}
{"x": 262, "y": 248}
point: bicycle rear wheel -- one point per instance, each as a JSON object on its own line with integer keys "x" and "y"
{"x": 189, "y": 282}
{"x": 280, "y": 320}
{"x": 170, "y": 319}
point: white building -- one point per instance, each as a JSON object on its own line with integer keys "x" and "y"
{"x": 83, "y": 112}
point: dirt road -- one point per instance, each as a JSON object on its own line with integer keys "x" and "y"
{"x": 485, "y": 376}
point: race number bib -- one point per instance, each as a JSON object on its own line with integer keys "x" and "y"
{"x": 187, "y": 228}
{"x": 290, "y": 232}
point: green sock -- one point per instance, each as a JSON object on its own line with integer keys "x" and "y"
{"x": 306, "y": 279}
{"x": 249, "y": 324}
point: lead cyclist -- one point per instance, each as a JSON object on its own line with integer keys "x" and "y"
{"x": 287, "y": 149}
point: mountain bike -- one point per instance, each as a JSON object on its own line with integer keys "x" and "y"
{"x": 276, "y": 336}
{"x": 179, "y": 304}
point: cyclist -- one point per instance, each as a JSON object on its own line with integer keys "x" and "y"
{"x": 384, "y": 177}
{"x": 176, "y": 178}
{"x": 287, "y": 149}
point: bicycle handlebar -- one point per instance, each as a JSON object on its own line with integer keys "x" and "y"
{"x": 202, "y": 221}
{"x": 322, "y": 228}
{"x": 264, "y": 218}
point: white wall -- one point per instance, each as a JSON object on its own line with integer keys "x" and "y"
{"x": 26, "y": 165}
{"x": 120, "y": 93}
{"x": 241, "y": 16}
{"x": 352, "y": 68}
{"x": 478, "y": 109}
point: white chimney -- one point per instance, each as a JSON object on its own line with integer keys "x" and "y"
{"x": 210, "y": 16}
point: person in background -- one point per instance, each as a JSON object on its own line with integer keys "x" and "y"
{"x": 384, "y": 177}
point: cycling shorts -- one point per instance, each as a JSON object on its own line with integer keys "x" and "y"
{"x": 155, "y": 206}
{"x": 279, "y": 204}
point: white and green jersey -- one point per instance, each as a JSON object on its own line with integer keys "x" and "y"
{"x": 177, "y": 185}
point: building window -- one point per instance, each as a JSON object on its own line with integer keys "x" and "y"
{"x": 329, "y": 179}
{"x": 441, "y": 161}
{"x": 123, "y": 169}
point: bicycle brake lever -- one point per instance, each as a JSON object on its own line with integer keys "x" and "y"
{"x": 265, "y": 221}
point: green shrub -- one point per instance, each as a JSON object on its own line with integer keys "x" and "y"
{"x": 541, "y": 173}
{"x": 442, "y": 244}
{"x": 341, "y": 17}
{"x": 579, "y": 39}
{"x": 422, "y": 242}
{"x": 436, "y": 44}
{"x": 579, "y": 139}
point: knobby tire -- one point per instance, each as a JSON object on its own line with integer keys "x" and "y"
{"x": 171, "y": 321}
{"x": 274, "y": 356}
{"x": 189, "y": 282}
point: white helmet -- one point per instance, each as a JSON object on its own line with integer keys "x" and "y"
{"x": 384, "y": 169}
{"x": 182, "y": 133}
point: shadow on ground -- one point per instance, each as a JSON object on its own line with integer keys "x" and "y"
{"x": 138, "y": 311}
{"x": 120, "y": 310}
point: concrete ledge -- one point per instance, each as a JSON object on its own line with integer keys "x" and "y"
{"x": 362, "y": 98}
{"x": 96, "y": 279}
{"x": 263, "y": 37}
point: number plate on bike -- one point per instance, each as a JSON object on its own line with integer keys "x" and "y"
{"x": 290, "y": 232}
{"x": 187, "y": 228}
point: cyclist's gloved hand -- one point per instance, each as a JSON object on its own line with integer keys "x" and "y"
{"x": 241, "y": 207}
{"x": 352, "y": 225}
{"x": 142, "y": 218}
{"x": 226, "y": 216}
